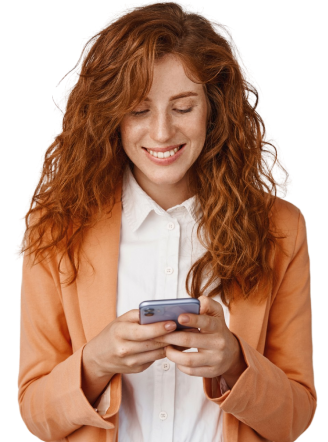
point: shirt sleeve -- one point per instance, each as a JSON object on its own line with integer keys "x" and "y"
{"x": 224, "y": 387}
{"x": 103, "y": 403}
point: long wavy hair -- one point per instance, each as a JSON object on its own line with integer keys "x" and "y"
{"x": 231, "y": 178}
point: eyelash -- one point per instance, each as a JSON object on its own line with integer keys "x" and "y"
{"x": 182, "y": 111}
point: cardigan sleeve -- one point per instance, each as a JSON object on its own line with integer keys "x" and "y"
{"x": 51, "y": 400}
{"x": 275, "y": 395}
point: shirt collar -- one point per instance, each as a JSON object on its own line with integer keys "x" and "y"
{"x": 137, "y": 204}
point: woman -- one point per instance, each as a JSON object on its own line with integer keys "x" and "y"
{"x": 157, "y": 188}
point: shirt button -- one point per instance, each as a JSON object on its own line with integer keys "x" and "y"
{"x": 170, "y": 226}
{"x": 168, "y": 270}
{"x": 165, "y": 366}
{"x": 162, "y": 415}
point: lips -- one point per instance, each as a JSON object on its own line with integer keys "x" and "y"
{"x": 163, "y": 149}
{"x": 164, "y": 156}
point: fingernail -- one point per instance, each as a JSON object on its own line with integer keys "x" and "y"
{"x": 170, "y": 326}
{"x": 184, "y": 318}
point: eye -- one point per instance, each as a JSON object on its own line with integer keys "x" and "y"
{"x": 184, "y": 111}
{"x": 181, "y": 111}
{"x": 139, "y": 113}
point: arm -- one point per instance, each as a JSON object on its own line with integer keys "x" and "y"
{"x": 275, "y": 395}
{"x": 93, "y": 384}
{"x": 51, "y": 399}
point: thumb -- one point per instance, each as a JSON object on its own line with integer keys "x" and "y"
{"x": 130, "y": 316}
{"x": 210, "y": 307}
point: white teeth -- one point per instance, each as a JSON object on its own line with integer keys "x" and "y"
{"x": 167, "y": 154}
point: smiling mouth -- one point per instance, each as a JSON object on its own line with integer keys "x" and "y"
{"x": 166, "y": 154}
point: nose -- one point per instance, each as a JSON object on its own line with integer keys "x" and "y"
{"x": 161, "y": 127}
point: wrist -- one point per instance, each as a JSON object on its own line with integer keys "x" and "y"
{"x": 93, "y": 379}
{"x": 237, "y": 367}
{"x": 92, "y": 365}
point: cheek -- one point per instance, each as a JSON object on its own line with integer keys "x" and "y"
{"x": 129, "y": 134}
{"x": 196, "y": 130}
{"x": 125, "y": 130}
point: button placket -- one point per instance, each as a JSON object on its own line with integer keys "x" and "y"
{"x": 162, "y": 415}
{"x": 170, "y": 225}
{"x": 165, "y": 365}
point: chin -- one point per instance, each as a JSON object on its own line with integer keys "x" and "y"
{"x": 164, "y": 179}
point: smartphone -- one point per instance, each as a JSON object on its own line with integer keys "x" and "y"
{"x": 167, "y": 310}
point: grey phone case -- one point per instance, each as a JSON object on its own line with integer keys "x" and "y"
{"x": 167, "y": 310}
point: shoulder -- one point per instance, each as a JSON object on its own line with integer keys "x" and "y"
{"x": 288, "y": 226}
{"x": 285, "y": 217}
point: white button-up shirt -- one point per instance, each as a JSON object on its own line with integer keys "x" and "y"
{"x": 157, "y": 249}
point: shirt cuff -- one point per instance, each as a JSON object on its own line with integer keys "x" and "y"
{"x": 224, "y": 387}
{"x": 103, "y": 403}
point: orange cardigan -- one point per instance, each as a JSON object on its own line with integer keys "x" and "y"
{"x": 274, "y": 399}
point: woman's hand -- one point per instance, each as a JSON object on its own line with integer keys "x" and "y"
{"x": 124, "y": 346}
{"x": 219, "y": 352}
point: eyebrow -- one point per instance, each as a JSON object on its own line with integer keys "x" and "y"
{"x": 176, "y": 97}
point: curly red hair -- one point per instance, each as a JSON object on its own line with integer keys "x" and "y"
{"x": 231, "y": 178}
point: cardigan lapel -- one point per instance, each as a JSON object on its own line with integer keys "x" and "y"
{"x": 248, "y": 319}
{"x": 97, "y": 277}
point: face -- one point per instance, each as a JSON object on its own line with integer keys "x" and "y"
{"x": 165, "y": 133}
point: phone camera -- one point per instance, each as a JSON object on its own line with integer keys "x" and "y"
{"x": 149, "y": 312}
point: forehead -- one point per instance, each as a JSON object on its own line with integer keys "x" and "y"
{"x": 170, "y": 78}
